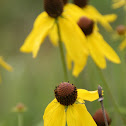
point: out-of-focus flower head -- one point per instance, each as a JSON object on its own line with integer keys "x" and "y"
{"x": 4, "y": 65}
{"x": 99, "y": 118}
{"x": 20, "y": 107}
{"x": 90, "y": 12}
{"x": 74, "y": 40}
{"x": 99, "y": 50}
{"x": 119, "y": 3}
{"x": 69, "y": 107}
{"x": 121, "y": 31}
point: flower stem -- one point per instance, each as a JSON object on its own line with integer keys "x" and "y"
{"x": 111, "y": 96}
{"x": 20, "y": 119}
{"x": 102, "y": 105}
{"x": 62, "y": 53}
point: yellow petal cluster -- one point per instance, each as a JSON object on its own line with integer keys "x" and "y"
{"x": 74, "y": 115}
{"x": 99, "y": 50}
{"x": 78, "y": 47}
{"x": 75, "y": 42}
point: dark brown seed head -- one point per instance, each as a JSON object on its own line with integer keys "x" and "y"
{"x": 121, "y": 29}
{"x": 54, "y": 8}
{"x": 65, "y": 1}
{"x": 81, "y": 3}
{"x": 99, "y": 119}
{"x": 66, "y": 93}
{"x": 86, "y": 25}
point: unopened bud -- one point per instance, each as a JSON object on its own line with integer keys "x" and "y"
{"x": 99, "y": 118}
{"x": 19, "y": 108}
{"x": 121, "y": 29}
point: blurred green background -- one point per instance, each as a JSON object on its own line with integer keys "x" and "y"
{"x": 33, "y": 80}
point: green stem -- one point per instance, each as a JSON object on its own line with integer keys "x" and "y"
{"x": 62, "y": 53}
{"x": 111, "y": 96}
{"x": 20, "y": 119}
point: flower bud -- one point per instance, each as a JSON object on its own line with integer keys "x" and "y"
{"x": 19, "y": 108}
{"x": 99, "y": 118}
{"x": 121, "y": 29}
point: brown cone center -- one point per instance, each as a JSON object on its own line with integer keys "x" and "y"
{"x": 66, "y": 93}
{"x": 81, "y": 3}
{"x": 86, "y": 25}
{"x": 54, "y": 8}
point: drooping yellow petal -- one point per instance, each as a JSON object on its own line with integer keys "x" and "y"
{"x": 77, "y": 115}
{"x": 69, "y": 61}
{"x": 119, "y": 4}
{"x": 110, "y": 17}
{"x": 105, "y": 24}
{"x": 122, "y": 46}
{"x": 73, "y": 38}
{"x": 74, "y": 11}
{"x": 5, "y": 65}
{"x": 95, "y": 53}
{"x": 87, "y": 95}
{"x": 78, "y": 67}
{"x": 38, "y": 21}
{"x": 37, "y": 36}
{"x": 107, "y": 51}
{"x": 54, "y": 114}
{"x": 73, "y": 117}
{"x": 53, "y": 35}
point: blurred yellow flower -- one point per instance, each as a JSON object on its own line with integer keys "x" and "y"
{"x": 99, "y": 50}
{"x": 92, "y": 13}
{"x": 118, "y": 4}
{"x": 5, "y": 65}
{"x": 71, "y": 34}
{"x": 121, "y": 32}
{"x": 69, "y": 107}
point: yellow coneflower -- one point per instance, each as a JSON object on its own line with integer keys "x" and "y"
{"x": 71, "y": 35}
{"x": 121, "y": 31}
{"x": 69, "y": 107}
{"x": 99, "y": 50}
